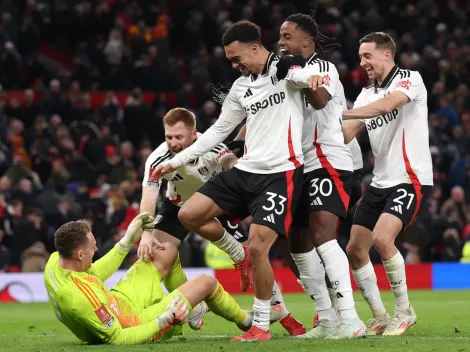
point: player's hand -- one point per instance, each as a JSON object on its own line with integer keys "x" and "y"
{"x": 176, "y": 313}
{"x": 286, "y": 62}
{"x": 147, "y": 245}
{"x": 237, "y": 147}
{"x": 219, "y": 93}
{"x": 316, "y": 81}
{"x": 142, "y": 222}
{"x": 160, "y": 171}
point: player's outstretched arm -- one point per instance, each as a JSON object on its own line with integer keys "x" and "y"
{"x": 148, "y": 202}
{"x": 318, "y": 82}
{"x": 351, "y": 129}
{"x": 111, "y": 261}
{"x": 379, "y": 107}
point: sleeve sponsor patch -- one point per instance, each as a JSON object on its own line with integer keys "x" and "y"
{"x": 403, "y": 84}
{"x": 105, "y": 316}
{"x": 152, "y": 182}
{"x": 222, "y": 153}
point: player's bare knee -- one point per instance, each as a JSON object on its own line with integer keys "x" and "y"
{"x": 164, "y": 259}
{"x": 357, "y": 253}
{"x": 381, "y": 243}
{"x": 259, "y": 247}
{"x": 188, "y": 218}
{"x": 206, "y": 281}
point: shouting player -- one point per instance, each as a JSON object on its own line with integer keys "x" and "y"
{"x": 267, "y": 181}
{"x": 136, "y": 309}
{"x": 180, "y": 133}
{"x": 394, "y": 111}
{"x": 328, "y": 176}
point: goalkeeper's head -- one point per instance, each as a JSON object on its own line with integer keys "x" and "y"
{"x": 76, "y": 245}
{"x": 242, "y": 44}
{"x": 180, "y": 129}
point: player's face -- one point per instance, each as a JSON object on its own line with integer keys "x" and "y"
{"x": 242, "y": 56}
{"x": 373, "y": 60}
{"x": 291, "y": 40}
{"x": 179, "y": 137}
{"x": 87, "y": 252}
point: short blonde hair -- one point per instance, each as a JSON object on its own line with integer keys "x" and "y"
{"x": 176, "y": 115}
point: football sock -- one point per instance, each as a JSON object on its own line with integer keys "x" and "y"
{"x": 395, "y": 268}
{"x": 224, "y": 305}
{"x": 176, "y": 277}
{"x": 231, "y": 246}
{"x": 278, "y": 299}
{"x": 367, "y": 282}
{"x": 261, "y": 313}
{"x": 337, "y": 268}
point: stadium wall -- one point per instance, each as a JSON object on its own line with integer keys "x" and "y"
{"x": 29, "y": 287}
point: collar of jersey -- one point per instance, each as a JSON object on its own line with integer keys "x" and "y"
{"x": 268, "y": 63}
{"x": 387, "y": 79}
{"x": 312, "y": 58}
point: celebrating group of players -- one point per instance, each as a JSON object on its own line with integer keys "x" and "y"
{"x": 299, "y": 174}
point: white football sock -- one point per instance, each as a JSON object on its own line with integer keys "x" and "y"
{"x": 367, "y": 282}
{"x": 231, "y": 246}
{"x": 333, "y": 298}
{"x": 261, "y": 313}
{"x": 337, "y": 268}
{"x": 278, "y": 299}
{"x": 395, "y": 268}
{"x": 312, "y": 277}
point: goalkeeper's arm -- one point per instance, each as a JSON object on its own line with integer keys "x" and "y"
{"x": 111, "y": 261}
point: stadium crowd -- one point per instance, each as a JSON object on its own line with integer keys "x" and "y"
{"x": 62, "y": 158}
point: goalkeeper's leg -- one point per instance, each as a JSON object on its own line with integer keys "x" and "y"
{"x": 175, "y": 277}
{"x": 207, "y": 288}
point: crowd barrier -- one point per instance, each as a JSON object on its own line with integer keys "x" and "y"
{"x": 29, "y": 287}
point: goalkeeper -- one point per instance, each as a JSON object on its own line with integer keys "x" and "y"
{"x": 136, "y": 310}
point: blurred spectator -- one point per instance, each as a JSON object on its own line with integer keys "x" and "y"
{"x": 68, "y": 152}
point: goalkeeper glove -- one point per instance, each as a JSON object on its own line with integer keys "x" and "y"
{"x": 176, "y": 313}
{"x": 286, "y": 62}
{"x": 142, "y": 222}
{"x": 219, "y": 93}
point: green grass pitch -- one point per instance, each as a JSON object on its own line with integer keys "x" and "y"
{"x": 443, "y": 326}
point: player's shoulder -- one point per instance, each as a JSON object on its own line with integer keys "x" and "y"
{"x": 159, "y": 155}
{"x": 409, "y": 76}
{"x": 324, "y": 66}
{"x": 405, "y": 73}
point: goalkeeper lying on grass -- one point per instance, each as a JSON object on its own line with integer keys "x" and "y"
{"x": 136, "y": 310}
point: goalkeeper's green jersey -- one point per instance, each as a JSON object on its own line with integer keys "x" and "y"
{"x": 93, "y": 313}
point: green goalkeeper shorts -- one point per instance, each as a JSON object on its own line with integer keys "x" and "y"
{"x": 142, "y": 289}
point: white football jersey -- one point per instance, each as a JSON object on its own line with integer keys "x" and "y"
{"x": 274, "y": 113}
{"x": 356, "y": 154}
{"x": 399, "y": 139}
{"x": 322, "y": 139}
{"x": 186, "y": 180}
